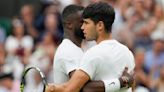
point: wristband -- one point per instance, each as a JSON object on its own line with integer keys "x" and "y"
{"x": 111, "y": 85}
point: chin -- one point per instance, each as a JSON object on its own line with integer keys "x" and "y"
{"x": 89, "y": 39}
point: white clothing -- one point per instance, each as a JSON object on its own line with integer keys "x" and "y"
{"x": 87, "y": 45}
{"x": 3, "y": 89}
{"x": 66, "y": 59}
{"x": 107, "y": 60}
{"x": 64, "y": 3}
{"x": 12, "y": 43}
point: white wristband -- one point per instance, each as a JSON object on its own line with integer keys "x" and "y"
{"x": 112, "y": 85}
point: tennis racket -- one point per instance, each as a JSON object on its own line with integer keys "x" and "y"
{"x": 22, "y": 85}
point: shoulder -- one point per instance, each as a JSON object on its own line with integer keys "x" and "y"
{"x": 68, "y": 50}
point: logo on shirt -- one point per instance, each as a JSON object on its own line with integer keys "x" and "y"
{"x": 113, "y": 83}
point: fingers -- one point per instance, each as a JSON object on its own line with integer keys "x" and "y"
{"x": 125, "y": 71}
{"x": 125, "y": 79}
{"x": 50, "y": 88}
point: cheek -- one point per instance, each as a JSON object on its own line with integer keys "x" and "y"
{"x": 88, "y": 29}
{"x": 92, "y": 32}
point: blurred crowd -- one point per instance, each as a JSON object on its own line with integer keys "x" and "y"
{"x": 33, "y": 39}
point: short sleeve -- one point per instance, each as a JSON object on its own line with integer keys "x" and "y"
{"x": 62, "y": 68}
{"x": 69, "y": 65}
{"x": 90, "y": 64}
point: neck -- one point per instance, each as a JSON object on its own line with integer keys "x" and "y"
{"x": 77, "y": 41}
{"x": 105, "y": 36}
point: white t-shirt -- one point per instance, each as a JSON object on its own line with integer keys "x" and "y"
{"x": 87, "y": 45}
{"x": 12, "y": 43}
{"x": 107, "y": 60}
{"x": 67, "y": 59}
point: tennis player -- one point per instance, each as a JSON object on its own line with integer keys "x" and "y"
{"x": 101, "y": 61}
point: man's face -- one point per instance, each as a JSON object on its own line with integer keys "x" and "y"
{"x": 77, "y": 26}
{"x": 89, "y": 29}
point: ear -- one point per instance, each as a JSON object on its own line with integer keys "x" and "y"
{"x": 100, "y": 26}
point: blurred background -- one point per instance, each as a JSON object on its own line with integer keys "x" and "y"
{"x": 31, "y": 30}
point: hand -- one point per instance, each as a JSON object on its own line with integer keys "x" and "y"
{"x": 126, "y": 80}
{"x": 50, "y": 88}
{"x": 55, "y": 88}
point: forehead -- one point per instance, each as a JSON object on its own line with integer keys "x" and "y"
{"x": 74, "y": 16}
{"x": 87, "y": 20}
{"x": 79, "y": 14}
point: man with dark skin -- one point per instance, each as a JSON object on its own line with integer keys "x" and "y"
{"x": 69, "y": 54}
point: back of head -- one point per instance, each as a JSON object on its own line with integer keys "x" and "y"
{"x": 100, "y": 11}
{"x": 6, "y": 75}
{"x": 69, "y": 11}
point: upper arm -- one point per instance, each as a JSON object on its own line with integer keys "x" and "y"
{"x": 77, "y": 81}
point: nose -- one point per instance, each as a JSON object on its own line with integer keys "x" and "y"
{"x": 82, "y": 27}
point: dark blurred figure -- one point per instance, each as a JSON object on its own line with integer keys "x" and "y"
{"x": 8, "y": 84}
{"x": 2, "y": 35}
{"x": 154, "y": 58}
{"x": 51, "y": 26}
{"x": 159, "y": 83}
{"x": 143, "y": 81}
{"x": 28, "y": 18}
{"x": 52, "y": 9}
{"x": 2, "y": 57}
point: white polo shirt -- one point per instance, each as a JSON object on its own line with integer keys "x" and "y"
{"x": 107, "y": 60}
{"x": 66, "y": 59}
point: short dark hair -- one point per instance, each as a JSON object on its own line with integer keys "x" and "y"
{"x": 100, "y": 11}
{"x": 69, "y": 11}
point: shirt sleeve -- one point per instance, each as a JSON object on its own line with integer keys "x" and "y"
{"x": 90, "y": 64}
{"x": 70, "y": 65}
{"x": 62, "y": 67}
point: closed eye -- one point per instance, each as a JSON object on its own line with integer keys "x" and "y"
{"x": 85, "y": 22}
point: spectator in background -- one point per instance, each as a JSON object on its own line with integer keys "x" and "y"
{"x": 28, "y": 15}
{"x": 8, "y": 84}
{"x": 159, "y": 83}
{"x": 42, "y": 58}
{"x": 2, "y": 35}
{"x": 64, "y": 3}
{"x": 120, "y": 9}
{"x": 159, "y": 15}
{"x": 2, "y": 57}
{"x": 51, "y": 26}
{"x": 44, "y": 54}
{"x": 18, "y": 42}
{"x": 149, "y": 6}
{"x": 18, "y": 48}
{"x": 143, "y": 81}
{"x": 154, "y": 58}
{"x": 43, "y": 22}
{"x": 46, "y": 6}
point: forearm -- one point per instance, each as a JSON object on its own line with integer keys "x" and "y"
{"x": 93, "y": 86}
{"x": 77, "y": 81}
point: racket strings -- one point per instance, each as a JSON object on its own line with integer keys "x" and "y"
{"x": 22, "y": 85}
